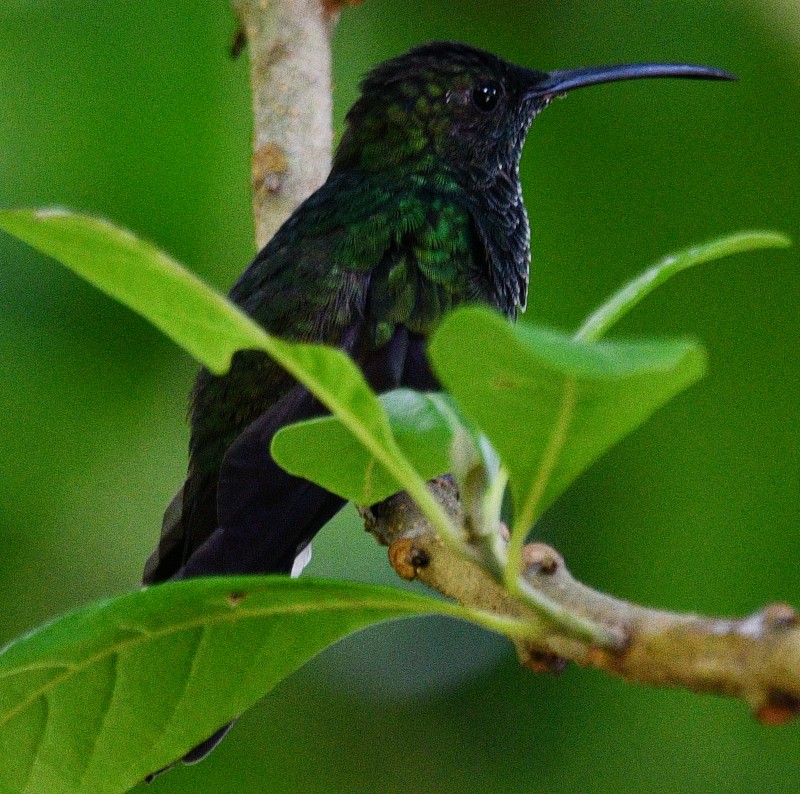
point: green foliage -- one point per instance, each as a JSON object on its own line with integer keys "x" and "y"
{"x": 163, "y": 668}
{"x": 112, "y": 259}
{"x": 422, "y": 426}
{"x": 619, "y": 304}
{"x": 100, "y": 698}
{"x": 193, "y": 315}
{"x": 551, "y": 405}
{"x": 142, "y": 277}
{"x": 93, "y": 402}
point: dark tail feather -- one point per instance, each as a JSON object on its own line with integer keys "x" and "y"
{"x": 196, "y": 754}
{"x": 265, "y": 516}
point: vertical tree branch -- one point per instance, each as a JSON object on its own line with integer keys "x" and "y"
{"x": 289, "y": 43}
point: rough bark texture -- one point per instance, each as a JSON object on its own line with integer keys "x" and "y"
{"x": 289, "y": 43}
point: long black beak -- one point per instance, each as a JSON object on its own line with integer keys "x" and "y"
{"x": 563, "y": 80}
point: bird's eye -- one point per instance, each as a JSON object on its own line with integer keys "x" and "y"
{"x": 485, "y": 96}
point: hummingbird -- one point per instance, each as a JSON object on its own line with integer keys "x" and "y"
{"x": 422, "y": 211}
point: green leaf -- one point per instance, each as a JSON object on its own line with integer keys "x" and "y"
{"x": 100, "y": 698}
{"x": 139, "y": 275}
{"x": 549, "y": 404}
{"x": 212, "y": 328}
{"x": 200, "y": 320}
{"x": 422, "y": 426}
{"x": 619, "y": 304}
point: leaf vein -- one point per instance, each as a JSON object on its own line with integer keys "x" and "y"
{"x": 39, "y": 742}
{"x": 205, "y": 621}
{"x": 549, "y": 460}
{"x": 106, "y": 709}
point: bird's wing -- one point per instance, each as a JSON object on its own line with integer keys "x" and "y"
{"x": 244, "y": 514}
{"x": 315, "y": 281}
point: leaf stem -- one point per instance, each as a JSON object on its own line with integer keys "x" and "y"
{"x": 525, "y": 517}
{"x": 619, "y": 304}
{"x": 416, "y": 487}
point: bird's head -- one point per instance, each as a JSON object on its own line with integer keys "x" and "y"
{"x": 451, "y": 111}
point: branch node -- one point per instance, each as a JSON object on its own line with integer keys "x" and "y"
{"x": 780, "y": 617}
{"x": 407, "y": 558}
{"x": 270, "y": 164}
{"x": 539, "y": 660}
{"x": 780, "y": 708}
{"x": 545, "y": 559}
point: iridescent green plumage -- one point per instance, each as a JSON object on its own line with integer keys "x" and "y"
{"x": 413, "y": 220}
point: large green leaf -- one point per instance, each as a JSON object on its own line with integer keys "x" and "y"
{"x": 200, "y": 320}
{"x": 212, "y": 328}
{"x": 98, "y": 699}
{"x": 549, "y": 404}
{"x": 322, "y": 450}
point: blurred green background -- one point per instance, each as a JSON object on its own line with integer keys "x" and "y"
{"x": 133, "y": 110}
